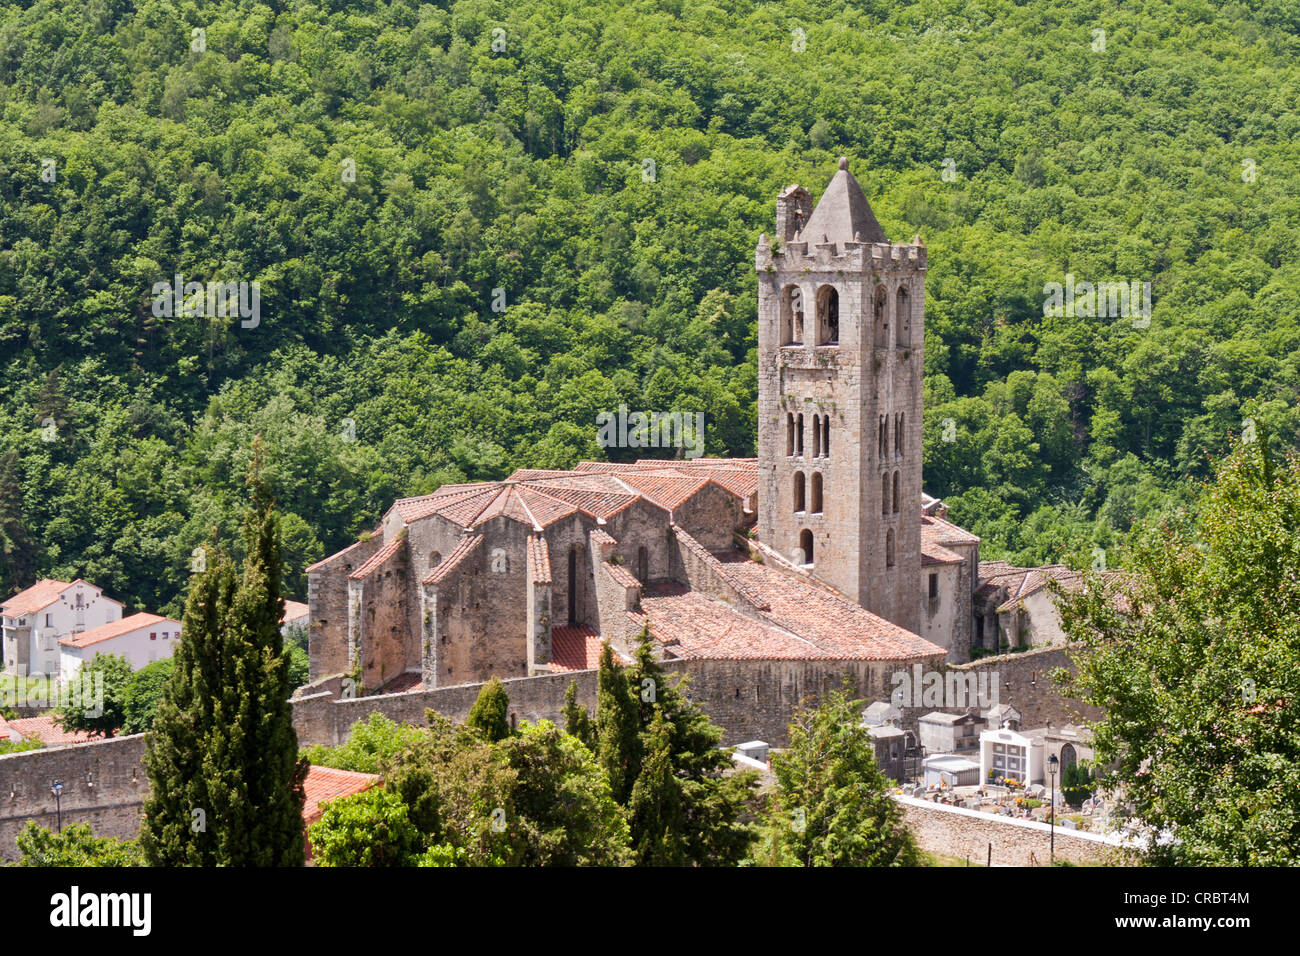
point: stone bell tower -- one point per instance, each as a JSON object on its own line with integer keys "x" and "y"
{"x": 841, "y": 327}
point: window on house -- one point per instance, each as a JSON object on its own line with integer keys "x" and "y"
{"x": 153, "y": 636}
{"x": 48, "y": 620}
{"x": 934, "y": 587}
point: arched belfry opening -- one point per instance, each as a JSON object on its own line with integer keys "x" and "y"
{"x": 903, "y": 318}
{"x": 828, "y": 316}
{"x": 881, "y": 318}
{"x": 791, "y": 315}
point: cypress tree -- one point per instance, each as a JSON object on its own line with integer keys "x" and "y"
{"x": 655, "y": 811}
{"x": 577, "y": 722}
{"x": 618, "y": 728}
{"x": 652, "y": 736}
{"x": 223, "y": 742}
{"x": 490, "y": 714}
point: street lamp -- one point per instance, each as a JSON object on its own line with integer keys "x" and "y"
{"x": 1052, "y": 765}
{"x": 57, "y": 790}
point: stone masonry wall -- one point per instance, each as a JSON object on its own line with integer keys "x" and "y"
{"x": 104, "y": 784}
{"x": 966, "y": 834}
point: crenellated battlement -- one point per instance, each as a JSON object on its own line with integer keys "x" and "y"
{"x": 794, "y": 256}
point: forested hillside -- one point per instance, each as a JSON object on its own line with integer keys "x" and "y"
{"x": 608, "y": 166}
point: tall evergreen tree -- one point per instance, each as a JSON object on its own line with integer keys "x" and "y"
{"x": 618, "y": 728}
{"x": 709, "y": 830}
{"x": 655, "y": 812}
{"x": 223, "y": 757}
{"x": 490, "y": 714}
{"x": 832, "y": 804}
{"x": 576, "y": 719}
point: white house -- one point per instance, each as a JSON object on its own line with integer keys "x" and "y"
{"x": 140, "y": 638}
{"x": 35, "y": 620}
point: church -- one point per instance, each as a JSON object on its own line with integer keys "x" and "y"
{"x": 823, "y": 549}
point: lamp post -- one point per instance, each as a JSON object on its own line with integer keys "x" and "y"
{"x": 57, "y": 790}
{"x": 1052, "y": 764}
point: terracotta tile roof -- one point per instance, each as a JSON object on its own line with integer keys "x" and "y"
{"x": 539, "y": 560}
{"x": 802, "y": 619}
{"x": 293, "y": 611}
{"x": 937, "y": 554}
{"x": 621, "y": 575}
{"x": 599, "y": 536}
{"x": 696, "y": 626}
{"x": 377, "y": 559}
{"x": 467, "y": 546}
{"x": 324, "y": 784}
{"x": 941, "y": 531}
{"x": 575, "y": 649}
{"x": 106, "y": 632}
{"x": 44, "y": 593}
{"x": 403, "y": 683}
{"x": 337, "y": 554}
{"x": 44, "y": 729}
{"x": 40, "y": 595}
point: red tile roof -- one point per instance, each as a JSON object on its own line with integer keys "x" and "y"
{"x": 621, "y": 575}
{"x": 44, "y": 729}
{"x": 324, "y": 784}
{"x": 293, "y": 610}
{"x": 804, "y": 619}
{"x": 459, "y": 556}
{"x": 40, "y": 595}
{"x": 44, "y": 593}
{"x": 377, "y": 559}
{"x": 575, "y": 649}
{"x": 539, "y": 560}
{"x": 106, "y": 632}
{"x": 940, "y": 531}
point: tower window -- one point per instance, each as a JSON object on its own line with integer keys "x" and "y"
{"x": 884, "y": 494}
{"x": 799, "y": 492}
{"x": 826, "y": 436}
{"x": 882, "y": 438}
{"x": 798, "y": 436}
{"x": 789, "y": 434}
{"x": 889, "y": 548}
{"x": 882, "y": 318}
{"x": 828, "y": 315}
{"x": 816, "y": 492}
{"x": 791, "y": 315}
{"x": 903, "y": 311}
{"x": 817, "y": 436}
{"x": 898, "y": 435}
{"x": 806, "y": 547}
{"x": 895, "y": 492}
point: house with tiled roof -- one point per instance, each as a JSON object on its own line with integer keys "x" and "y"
{"x": 37, "y": 618}
{"x": 140, "y": 638}
{"x": 1016, "y": 607}
{"x": 325, "y": 784}
{"x": 821, "y": 551}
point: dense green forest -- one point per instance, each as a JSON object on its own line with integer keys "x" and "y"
{"x": 383, "y": 169}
